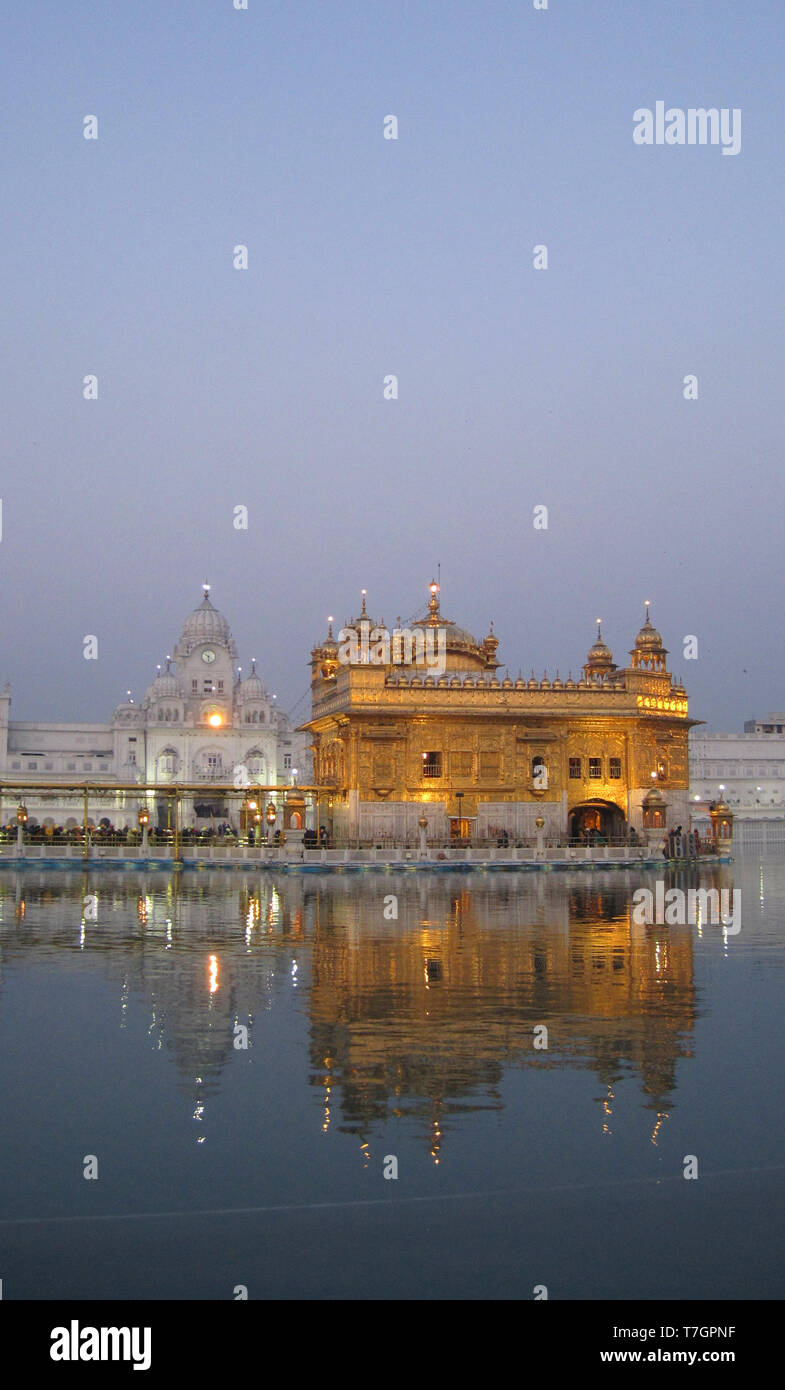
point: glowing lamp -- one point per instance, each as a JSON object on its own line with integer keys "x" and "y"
{"x": 215, "y": 720}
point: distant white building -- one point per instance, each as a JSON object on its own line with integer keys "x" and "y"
{"x": 199, "y": 722}
{"x": 748, "y": 771}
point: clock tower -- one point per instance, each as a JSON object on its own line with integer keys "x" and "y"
{"x": 205, "y": 656}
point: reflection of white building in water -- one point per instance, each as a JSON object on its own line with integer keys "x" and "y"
{"x": 198, "y": 723}
{"x": 748, "y": 771}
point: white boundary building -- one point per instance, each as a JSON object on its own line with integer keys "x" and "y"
{"x": 198, "y": 723}
{"x": 748, "y": 771}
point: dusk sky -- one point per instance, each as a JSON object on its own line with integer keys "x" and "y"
{"x": 367, "y": 257}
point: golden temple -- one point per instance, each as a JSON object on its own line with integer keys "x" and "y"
{"x": 411, "y": 723}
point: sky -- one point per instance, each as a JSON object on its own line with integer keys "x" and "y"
{"x": 368, "y": 258}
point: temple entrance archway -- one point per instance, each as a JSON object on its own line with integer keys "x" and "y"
{"x": 597, "y": 820}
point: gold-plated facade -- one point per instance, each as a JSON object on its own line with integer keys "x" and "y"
{"x": 403, "y": 727}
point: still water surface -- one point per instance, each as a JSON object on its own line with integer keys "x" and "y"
{"x": 370, "y": 1039}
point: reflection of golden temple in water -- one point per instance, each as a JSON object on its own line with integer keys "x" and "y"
{"x": 417, "y": 1017}
{"x": 424, "y": 1021}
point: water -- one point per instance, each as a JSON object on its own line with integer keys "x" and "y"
{"x": 373, "y": 1039}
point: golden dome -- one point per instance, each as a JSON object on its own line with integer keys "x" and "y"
{"x": 599, "y": 656}
{"x": 648, "y": 639}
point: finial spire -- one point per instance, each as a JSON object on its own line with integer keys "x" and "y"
{"x": 364, "y": 613}
{"x": 330, "y": 628}
{"x": 433, "y": 601}
{"x": 206, "y": 590}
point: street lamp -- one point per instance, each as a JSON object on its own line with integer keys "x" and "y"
{"x": 143, "y": 817}
{"x": 270, "y": 817}
{"x": 21, "y": 822}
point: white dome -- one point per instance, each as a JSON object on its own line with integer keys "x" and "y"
{"x": 250, "y": 689}
{"x": 205, "y": 625}
{"x": 164, "y": 687}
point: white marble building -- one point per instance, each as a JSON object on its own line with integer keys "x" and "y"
{"x": 748, "y": 771}
{"x": 199, "y": 722}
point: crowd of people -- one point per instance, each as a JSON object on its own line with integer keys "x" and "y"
{"x": 105, "y": 833}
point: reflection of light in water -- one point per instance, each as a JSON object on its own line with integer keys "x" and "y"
{"x": 82, "y": 934}
{"x": 365, "y": 1151}
{"x": 294, "y": 973}
{"x": 168, "y": 933}
{"x": 608, "y": 1108}
{"x": 661, "y": 1115}
{"x": 436, "y": 1136}
{"x": 213, "y": 974}
{"x": 326, "y": 1124}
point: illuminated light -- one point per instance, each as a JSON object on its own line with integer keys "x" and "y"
{"x": 213, "y": 960}
{"x": 660, "y": 1117}
{"x": 215, "y": 720}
